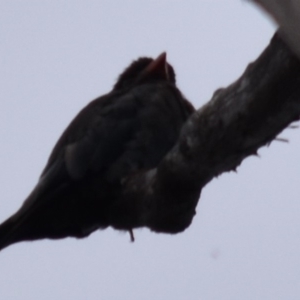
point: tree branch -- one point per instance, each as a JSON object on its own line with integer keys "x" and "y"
{"x": 233, "y": 125}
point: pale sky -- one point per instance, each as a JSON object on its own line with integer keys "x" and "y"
{"x": 55, "y": 57}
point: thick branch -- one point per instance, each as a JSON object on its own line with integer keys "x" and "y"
{"x": 233, "y": 125}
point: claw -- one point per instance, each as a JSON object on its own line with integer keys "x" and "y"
{"x": 131, "y": 235}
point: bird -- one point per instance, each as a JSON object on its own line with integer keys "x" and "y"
{"x": 126, "y": 131}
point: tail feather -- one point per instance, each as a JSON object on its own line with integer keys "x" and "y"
{"x": 7, "y": 234}
{"x": 16, "y": 228}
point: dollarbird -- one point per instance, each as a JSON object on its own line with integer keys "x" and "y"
{"x": 127, "y": 131}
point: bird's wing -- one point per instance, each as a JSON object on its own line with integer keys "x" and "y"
{"x": 96, "y": 135}
{"x": 92, "y": 141}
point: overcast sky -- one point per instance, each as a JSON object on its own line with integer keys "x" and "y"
{"x": 56, "y": 56}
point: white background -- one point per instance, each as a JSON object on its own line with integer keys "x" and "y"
{"x": 56, "y": 56}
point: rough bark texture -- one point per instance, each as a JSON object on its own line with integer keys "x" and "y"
{"x": 233, "y": 125}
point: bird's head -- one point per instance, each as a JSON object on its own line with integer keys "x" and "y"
{"x": 145, "y": 70}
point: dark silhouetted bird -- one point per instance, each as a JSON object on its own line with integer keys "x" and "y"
{"x": 121, "y": 133}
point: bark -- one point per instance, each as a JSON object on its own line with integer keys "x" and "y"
{"x": 233, "y": 125}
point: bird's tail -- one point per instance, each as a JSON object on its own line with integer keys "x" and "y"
{"x": 19, "y": 226}
{"x": 13, "y": 230}
{"x": 6, "y": 234}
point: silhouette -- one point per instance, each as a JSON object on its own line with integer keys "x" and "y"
{"x": 119, "y": 134}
